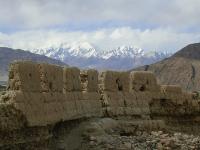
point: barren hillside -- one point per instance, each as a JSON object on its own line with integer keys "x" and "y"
{"x": 183, "y": 68}
{"x": 8, "y": 55}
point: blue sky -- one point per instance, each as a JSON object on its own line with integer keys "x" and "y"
{"x": 162, "y": 25}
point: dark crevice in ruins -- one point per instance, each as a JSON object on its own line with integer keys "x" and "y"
{"x": 50, "y": 85}
{"x": 146, "y": 68}
{"x": 84, "y": 80}
{"x": 125, "y": 103}
{"x": 163, "y": 101}
{"x": 119, "y": 85}
{"x": 142, "y": 88}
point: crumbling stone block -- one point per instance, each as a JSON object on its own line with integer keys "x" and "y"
{"x": 51, "y": 78}
{"x": 24, "y": 76}
{"x": 108, "y": 81}
{"x": 124, "y": 78}
{"x": 71, "y": 79}
{"x": 92, "y": 80}
{"x": 143, "y": 81}
{"x": 71, "y": 110}
{"x": 114, "y": 81}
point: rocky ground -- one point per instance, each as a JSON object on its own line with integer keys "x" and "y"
{"x": 109, "y": 134}
{"x": 106, "y": 134}
{"x": 146, "y": 141}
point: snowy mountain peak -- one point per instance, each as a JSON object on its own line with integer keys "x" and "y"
{"x": 123, "y": 51}
{"x": 84, "y": 54}
{"x": 75, "y": 49}
{"x": 87, "y": 50}
{"x": 76, "y": 45}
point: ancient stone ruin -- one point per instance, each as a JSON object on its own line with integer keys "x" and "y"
{"x": 40, "y": 96}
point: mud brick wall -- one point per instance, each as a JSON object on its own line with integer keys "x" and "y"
{"x": 47, "y": 94}
{"x": 44, "y": 94}
{"x": 174, "y": 102}
{"x": 125, "y": 93}
{"x": 39, "y": 96}
{"x": 179, "y": 109}
{"x": 138, "y": 94}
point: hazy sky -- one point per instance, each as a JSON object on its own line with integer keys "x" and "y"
{"x": 165, "y": 25}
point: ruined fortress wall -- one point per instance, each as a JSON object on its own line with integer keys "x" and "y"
{"x": 127, "y": 93}
{"x": 139, "y": 95}
{"x": 47, "y": 94}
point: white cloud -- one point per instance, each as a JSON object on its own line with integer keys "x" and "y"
{"x": 149, "y": 24}
{"x": 50, "y": 13}
{"x": 155, "y": 39}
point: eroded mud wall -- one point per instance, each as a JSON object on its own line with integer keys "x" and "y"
{"x": 47, "y": 94}
{"x": 39, "y": 96}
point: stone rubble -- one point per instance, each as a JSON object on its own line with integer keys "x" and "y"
{"x": 155, "y": 140}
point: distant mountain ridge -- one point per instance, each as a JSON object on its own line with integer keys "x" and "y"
{"x": 8, "y": 55}
{"x": 85, "y": 55}
{"x": 191, "y": 51}
{"x": 183, "y": 68}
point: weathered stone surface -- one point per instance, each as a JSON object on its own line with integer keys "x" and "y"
{"x": 92, "y": 80}
{"x": 51, "y": 78}
{"x": 71, "y": 79}
{"x": 24, "y": 76}
{"x": 114, "y": 81}
{"x": 108, "y": 81}
{"x": 143, "y": 81}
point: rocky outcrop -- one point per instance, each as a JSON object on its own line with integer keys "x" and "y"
{"x": 40, "y": 96}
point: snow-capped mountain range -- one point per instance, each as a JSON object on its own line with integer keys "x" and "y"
{"x": 85, "y": 55}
